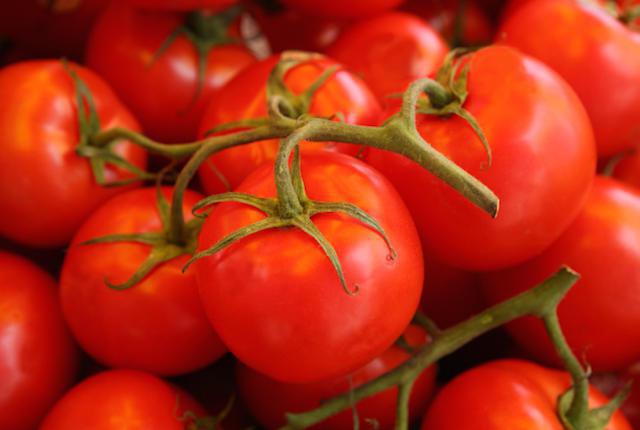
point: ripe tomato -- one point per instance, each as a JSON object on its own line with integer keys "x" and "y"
{"x": 183, "y": 5}
{"x": 342, "y": 8}
{"x": 269, "y": 400}
{"x": 628, "y": 169}
{"x": 612, "y": 383}
{"x": 245, "y": 97}
{"x": 598, "y": 54}
{"x": 46, "y": 190}
{"x": 507, "y": 395}
{"x": 276, "y": 300}
{"x": 122, "y": 399}
{"x": 161, "y": 88}
{"x": 37, "y": 355}
{"x": 599, "y": 315}
{"x": 158, "y": 325}
{"x": 390, "y": 51}
{"x": 537, "y": 130}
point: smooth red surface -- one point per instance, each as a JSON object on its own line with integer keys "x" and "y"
{"x": 628, "y": 169}
{"x": 506, "y": 395}
{"x": 276, "y": 300}
{"x": 269, "y": 400}
{"x": 158, "y": 325}
{"x": 37, "y": 355}
{"x": 183, "y": 5}
{"x": 390, "y": 51}
{"x": 600, "y": 314}
{"x": 161, "y": 90}
{"x": 46, "y": 190}
{"x": 122, "y": 399}
{"x": 538, "y": 132}
{"x": 596, "y": 54}
{"x": 342, "y": 8}
{"x": 245, "y": 97}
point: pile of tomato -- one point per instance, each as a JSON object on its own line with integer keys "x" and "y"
{"x": 109, "y": 322}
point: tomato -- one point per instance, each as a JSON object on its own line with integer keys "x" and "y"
{"x": 122, "y": 399}
{"x": 612, "y": 383}
{"x": 269, "y": 400}
{"x": 161, "y": 88}
{"x": 628, "y": 169}
{"x": 37, "y": 355}
{"x": 599, "y": 315}
{"x": 507, "y": 395}
{"x": 245, "y": 97}
{"x": 476, "y": 28}
{"x": 275, "y": 299}
{"x": 537, "y": 130}
{"x": 50, "y": 28}
{"x": 342, "y": 8}
{"x": 46, "y": 190}
{"x": 390, "y": 51}
{"x": 157, "y": 325}
{"x": 597, "y": 54}
{"x": 183, "y": 5}
{"x": 450, "y": 295}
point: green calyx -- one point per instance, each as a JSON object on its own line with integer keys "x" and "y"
{"x": 194, "y": 422}
{"x": 162, "y": 249}
{"x": 205, "y": 31}
{"x": 590, "y": 419}
{"x": 447, "y": 94}
{"x": 99, "y": 156}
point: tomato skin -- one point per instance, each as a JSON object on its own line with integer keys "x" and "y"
{"x": 269, "y": 400}
{"x": 183, "y": 5}
{"x": 390, "y": 51}
{"x": 160, "y": 91}
{"x": 245, "y": 97}
{"x": 603, "y": 245}
{"x": 534, "y": 123}
{"x": 38, "y": 358}
{"x": 598, "y": 54}
{"x": 342, "y": 8}
{"x": 275, "y": 299}
{"x": 122, "y": 399}
{"x": 38, "y": 136}
{"x": 505, "y": 395}
{"x": 159, "y": 325}
{"x": 628, "y": 169}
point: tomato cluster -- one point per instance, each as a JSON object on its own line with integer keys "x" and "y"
{"x": 234, "y": 213}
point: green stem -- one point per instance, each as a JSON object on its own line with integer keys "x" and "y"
{"x": 402, "y": 405}
{"x": 288, "y": 201}
{"x": 175, "y": 150}
{"x": 538, "y": 301}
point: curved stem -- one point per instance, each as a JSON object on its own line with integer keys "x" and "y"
{"x": 402, "y": 405}
{"x": 289, "y": 203}
{"x": 438, "y": 96}
{"x": 175, "y": 150}
{"x": 537, "y": 301}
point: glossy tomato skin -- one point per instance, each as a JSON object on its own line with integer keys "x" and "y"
{"x": 597, "y": 55}
{"x": 507, "y": 394}
{"x": 342, "y": 8}
{"x": 37, "y": 355}
{"x": 537, "y": 130}
{"x": 628, "y": 169}
{"x": 161, "y": 90}
{"x": 390, "y": 51}
{"x": 46, "y": 190}
{"x": 122, "y": 399}
{"x": 245, "y": 97}
{"x": 158, "y": 325}
{"x": 182, "y": 5}
{"x": 603, "y": 246}
{"x": 275, "y": 299}
{"x": 269, "y": 400}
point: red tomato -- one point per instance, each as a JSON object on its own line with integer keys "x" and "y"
{"x": 184, "y": 5}
{"x": 46, "y": 190}
{"x": 161, "y": 89}
{"x": 507, "y": 395}
{"x": 158, "y": 325}
{"x": 276, "y": 300}
{"x": 342, "y": 8}
{"x": 628, "y": 169}
{"x": 390, "y": 51}
{"x": 37, "y": 355}
{"x": 597, "y": 54}
{"x": 600, "y": 314}
{"x": 442, "y": 14}
{"x": 245, "y": 97}
{"x": 269, "y": 400}
{"x": 537, "y": 130}
{"x": 611, "y": 383}
{"x": 122, "y": 399}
